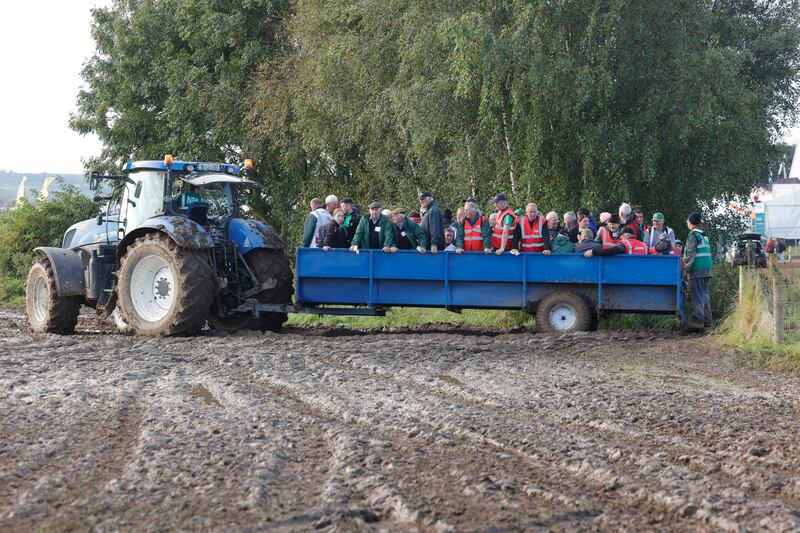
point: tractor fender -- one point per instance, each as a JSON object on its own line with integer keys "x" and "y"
{"x": 250, "y": 234}
{"x": 186, "y": 233}
{"x": 68, "y": 269}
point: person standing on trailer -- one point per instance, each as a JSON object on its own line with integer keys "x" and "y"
{"x": 432, "y": 222}
{"x": 531, "y": 235}
{"x": 317, "y": 219}
{"x": 474, "y": 232}
{"x": 351, "y": 219}
{"x": 504, "y": 226}
{"x": 374, "y": 232}
{"x": 407, "y": 233}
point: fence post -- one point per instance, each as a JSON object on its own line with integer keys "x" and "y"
{"x": 742, "y": 270}
{"x": 777, "y": 298}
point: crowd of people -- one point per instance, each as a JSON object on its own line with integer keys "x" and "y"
{"x": 335, "y": 224}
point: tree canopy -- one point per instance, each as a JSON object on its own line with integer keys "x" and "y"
{"x": 666, "y": 105}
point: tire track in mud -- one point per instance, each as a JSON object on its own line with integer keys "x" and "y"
{"x": 475, "y": 477}
{"x": 637, "y": 458}
{"x": 398, "y": 431}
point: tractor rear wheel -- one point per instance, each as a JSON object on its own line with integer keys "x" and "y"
{"x": 47, "y": 311}
{"x": 563, "y": 312}
{"x": 163, "y": 289}
{"x": 274, "y": 274}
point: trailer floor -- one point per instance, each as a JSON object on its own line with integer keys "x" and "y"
{"x": 426, "y": 428}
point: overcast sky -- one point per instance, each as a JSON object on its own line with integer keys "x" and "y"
{"x": 43, "y": 44}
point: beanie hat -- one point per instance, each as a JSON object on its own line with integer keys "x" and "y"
{"x": 604, "y": 216}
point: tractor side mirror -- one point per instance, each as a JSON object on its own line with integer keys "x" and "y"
{"x": 94, "y": 181}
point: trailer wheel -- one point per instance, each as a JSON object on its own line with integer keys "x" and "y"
{"x": 563, "y": 312}
{"x": 164, "y": 290}
{"x": 47, "y": 311}
{"x": 274, "y": 273}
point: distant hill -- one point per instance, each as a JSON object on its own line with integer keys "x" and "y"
{"x": 9, "y": 183}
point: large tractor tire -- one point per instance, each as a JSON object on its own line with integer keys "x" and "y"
{"x": 47, "y": 311}
{"x": 563, "y": 312}
{"x": 274, "y": 274}
{"x": 163, "y": 289}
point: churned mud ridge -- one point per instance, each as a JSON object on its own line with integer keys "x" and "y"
{"x": 436, "y": 428}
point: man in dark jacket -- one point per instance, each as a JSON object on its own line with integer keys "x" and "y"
{"x": 351, "y": 219}
{"x": 432, "y": 221}
{"x": 586, "y": 242}
{"x": 374, "y": 232}
{"x": 407, "y": 233}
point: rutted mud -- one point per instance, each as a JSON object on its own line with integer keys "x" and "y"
{"x": 435, "y": 428}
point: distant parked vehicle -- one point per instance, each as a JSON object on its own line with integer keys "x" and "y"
{"x": 743, "y": 247}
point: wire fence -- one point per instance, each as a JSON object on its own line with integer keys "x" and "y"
{"x": 780, "y": 297}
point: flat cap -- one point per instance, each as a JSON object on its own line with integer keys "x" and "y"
{"x": 399, "y": 211}
{"x": 375, "y": 205}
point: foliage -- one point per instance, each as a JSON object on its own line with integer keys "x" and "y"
{"x": 12, "y": 291}
{"x": 665, "y": 104}
{"x": 170, "y": 76}
{"x": 39, "y": 224}
{"x": 404, "y": 317}
{"x": 745, "y": 329}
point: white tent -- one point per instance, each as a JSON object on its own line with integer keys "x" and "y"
{"x": 782, "y": 212}
{"x": 782, "y": 216}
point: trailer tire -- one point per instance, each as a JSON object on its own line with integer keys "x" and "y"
{"x": 163, "y": 289}
{"x": 273, "y": 270}
{"x": 563, "y": 312}
{"x": 47, "y": 311}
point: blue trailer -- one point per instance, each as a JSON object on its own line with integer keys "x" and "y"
{"x": 565, "y": 292}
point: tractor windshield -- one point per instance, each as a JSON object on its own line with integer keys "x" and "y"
{"x": 213, "y": 196}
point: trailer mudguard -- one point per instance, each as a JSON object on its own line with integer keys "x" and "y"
{"x": 186, "y": 233}
{"x": 250, "y": 234}
{"x": 68, "y": 269}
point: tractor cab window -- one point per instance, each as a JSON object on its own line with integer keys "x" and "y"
{"x": 194, "y": 199}
{"x": 142, "y": 198}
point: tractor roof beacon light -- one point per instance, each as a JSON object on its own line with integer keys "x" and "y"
{"x": 248, "y": 164}
{"x": 168, "y": 159}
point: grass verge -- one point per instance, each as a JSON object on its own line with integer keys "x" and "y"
{"x": 747, "y": 328}
{"x": 12, "y": 292}
{"x": 408, "y": 316}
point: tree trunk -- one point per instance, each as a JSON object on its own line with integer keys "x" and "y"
{"x": 505, "y": 113}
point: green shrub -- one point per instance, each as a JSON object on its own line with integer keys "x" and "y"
{"x": 42, "y": 223}
{"x": 12, "y": 291}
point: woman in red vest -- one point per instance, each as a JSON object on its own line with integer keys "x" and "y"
{"x": 605, "y": 234}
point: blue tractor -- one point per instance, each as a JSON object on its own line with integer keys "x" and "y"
{"x": 170, "y": 252}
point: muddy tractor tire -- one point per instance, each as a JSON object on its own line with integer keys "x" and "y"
{"x": 563, "y": 312}
{"x": 163, "y": 289}
{"x": 274, "y": 274}
{"x": 47, "y": 311}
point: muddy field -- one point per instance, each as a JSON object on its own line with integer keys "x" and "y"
{"x": 437, "y": 429}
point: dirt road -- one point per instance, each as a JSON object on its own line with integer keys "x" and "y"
{"x": 435, "y": 430}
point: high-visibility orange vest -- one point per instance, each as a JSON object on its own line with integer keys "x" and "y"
{"x": 606, "y": 238}
{"x": 497, "y": 234}
{"x": 634, "y": 246}
{"x": 532, "y": 238}
{"x": 473, "y": 236}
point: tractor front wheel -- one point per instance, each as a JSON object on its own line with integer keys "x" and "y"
{"x": 47, "y": 311}
{"x": 164, "y": 290}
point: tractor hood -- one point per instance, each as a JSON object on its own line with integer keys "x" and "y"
{"x": 200, "y": 180}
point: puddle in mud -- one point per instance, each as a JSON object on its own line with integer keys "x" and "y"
{"x": 196, "y": 389}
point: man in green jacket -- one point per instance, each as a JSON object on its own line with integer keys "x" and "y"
{"x": 699, "y": 266}
{"x": 471, "y": 222}
{"x": 374, "y": 232}
{"x": 408, "y": 235}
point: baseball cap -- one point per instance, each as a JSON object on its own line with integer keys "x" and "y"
{"x": 426, "y": 194}
{"x": 658, "y": 216}
{"x": 500, "y": 198}
{"x": 331, "y": 199}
